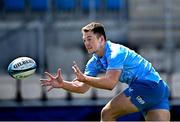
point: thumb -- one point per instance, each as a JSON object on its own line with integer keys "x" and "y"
{"x": 59, "y": 72}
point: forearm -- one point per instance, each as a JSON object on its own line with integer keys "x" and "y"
{"x": 75, "y": 86}
{"x": 108, "y": 81}
{"x": 100, "y": 82}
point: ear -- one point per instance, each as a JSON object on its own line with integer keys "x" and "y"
{"x": 102, "y": 39}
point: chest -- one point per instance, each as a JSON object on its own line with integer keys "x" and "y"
{"x": 102, "y": 64}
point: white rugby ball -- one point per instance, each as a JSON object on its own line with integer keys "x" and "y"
{"x": 22, "y": 67}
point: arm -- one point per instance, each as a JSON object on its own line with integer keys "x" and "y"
{"x": 58, "y": 82}
{"x": 108, "y": 81}
{"x": 75, "y": 86}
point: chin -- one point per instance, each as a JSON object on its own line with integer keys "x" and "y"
{"x": 90, "y": 52}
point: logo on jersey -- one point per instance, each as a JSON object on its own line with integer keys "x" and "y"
{"x": 130, "y": 89}
{"x": 140, "y": 100}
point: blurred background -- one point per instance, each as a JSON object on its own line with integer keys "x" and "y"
{"x": 49, "y": 31}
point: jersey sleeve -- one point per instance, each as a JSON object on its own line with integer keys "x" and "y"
{"x": 116, "y": 60}
{"x": 91, "y": 69}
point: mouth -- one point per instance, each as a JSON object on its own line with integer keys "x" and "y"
{"x": 89, "y": 48}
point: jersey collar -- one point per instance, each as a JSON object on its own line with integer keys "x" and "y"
{"x": 106, "y": 46}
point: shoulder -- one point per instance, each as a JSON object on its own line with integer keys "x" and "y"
{"x": 92, "y": 60}
{"x": 114, "y": 49}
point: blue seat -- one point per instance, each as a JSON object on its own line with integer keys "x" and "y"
{"x": 14, "y": 5}
{"x": 86, "y": 4}
{"x": 65, "y": 4}
{"x": 114, "y": 4}
{"x": 1, "y": 5}
{"x": 38, "y": 5}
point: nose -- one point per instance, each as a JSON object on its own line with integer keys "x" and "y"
{"x": 86, "y": 43}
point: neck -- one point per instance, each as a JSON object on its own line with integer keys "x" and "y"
{"x": 101, "y": 51}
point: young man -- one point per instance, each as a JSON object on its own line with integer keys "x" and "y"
{"x": 147, "y": 92}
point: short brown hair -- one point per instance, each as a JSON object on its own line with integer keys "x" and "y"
{"x": 95, "y": 27}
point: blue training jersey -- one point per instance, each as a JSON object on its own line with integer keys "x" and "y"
{"x": 119, "y": 57}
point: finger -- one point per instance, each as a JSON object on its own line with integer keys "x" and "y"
{"x": 45, "y": 83}
{"x": 47, "y": 80}
{"x": 48, "y": 74}
{"x": 74, "y": 62}
{"x": 77, "y": 68}
{"x": 50, "y": 89}
{"x": 75, "y": 71}
{"x": 59, "y": 72}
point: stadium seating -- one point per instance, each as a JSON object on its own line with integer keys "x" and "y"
{"x": 63, "y": 58}
{"x": 164, "y": 77}
{"x": 175, "y": 85}
{"x": 11, "y": 5}
{"x": 24, "y": 44}
{"x": 38, "y": 5}
{"x": 8, "y": 88}
{"x": 159, "y": 58}
{"x": 54, "y": 58}
{"x": 114, "y": 4}
{"x": 31, "y": 89}
{"x": 176, "y": 61}
{"x": 75, "y": 39}
{"x": 65, "y": 4}
{"x": 87, "y": 4}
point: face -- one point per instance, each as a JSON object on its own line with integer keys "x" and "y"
{"x": 92, "y": 43}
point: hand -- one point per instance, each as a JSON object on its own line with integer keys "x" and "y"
{"x": 53, "y": 81}
{"x": 79, "y": 75}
